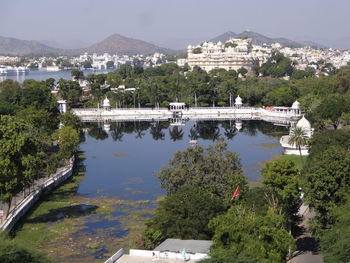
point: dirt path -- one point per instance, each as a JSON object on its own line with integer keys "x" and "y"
{"x": 307, "y": 248}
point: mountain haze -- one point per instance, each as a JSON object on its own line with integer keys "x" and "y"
{"x": 14, "y": 46}
{"x": 259, "y": 39}
{"x": 114, "y": 44}
{"x": 118, "y": 44}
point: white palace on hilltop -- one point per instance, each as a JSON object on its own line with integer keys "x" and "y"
{"x": 234, "y": 54}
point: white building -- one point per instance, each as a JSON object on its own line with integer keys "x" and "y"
{"x": 234, "y": 54}
{"x": 305, "y": 125}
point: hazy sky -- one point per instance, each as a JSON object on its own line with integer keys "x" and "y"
{"x": 160, "y": 21}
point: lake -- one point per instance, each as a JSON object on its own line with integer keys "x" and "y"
{"x": 104, "y": 210}
{"x": 40, "y": 75}
{"x": 129, "y": 154}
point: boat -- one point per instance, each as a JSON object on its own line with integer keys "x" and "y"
{"x": 12, "y": 71}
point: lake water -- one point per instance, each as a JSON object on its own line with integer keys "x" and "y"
{"x": 121, "y": 159}
{"x": 40, "y": 75}
{"x": 127, "y": 155}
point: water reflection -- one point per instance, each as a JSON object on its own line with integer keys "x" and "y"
{"x": 123, "y": 157}
{"x": 206, "y": 130}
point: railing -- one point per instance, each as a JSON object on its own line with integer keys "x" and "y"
{"x": 116, "y": 256}
{"x": 22, "y": 208}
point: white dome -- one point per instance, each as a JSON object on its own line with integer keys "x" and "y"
{"x": 106, "y": 102}
{"x": 295, "y": 105}
{"x": 304, "y": 124}
{"x": 238, "y": 100}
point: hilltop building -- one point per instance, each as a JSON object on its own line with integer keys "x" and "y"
{"x": 233, "y": 54}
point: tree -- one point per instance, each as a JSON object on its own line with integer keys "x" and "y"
{"x": 282, "y": 177}
{"x": 68, "y": 140}
{"x": 42, "y": 120}
{"x": 242, "y": 233}
{"x": 213, "y": 168}
{"x": 110, "y": 64}
{"x": 184, "y": 214}
{"x": 327, "y": 182}
{"x": 335, "y": 241}
{"x": 242, "y": 71}
{"x": 70, "y": 91}
{"x": 331, "y": 109}
{"x": 298, "y": 138}
{"x": 77, "y": 74}
{"x": 21, "y": 156}
{"x": 70, "y": 119}
{"x": 87, "y": 64}
{"x": 10, "y": 96}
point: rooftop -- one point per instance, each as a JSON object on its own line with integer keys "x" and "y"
{"x": 138, "y": 259}
{"x": 190, "y": 246}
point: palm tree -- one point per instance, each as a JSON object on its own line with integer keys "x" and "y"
{"x": 298, "y": 138}
{"x": 176, "y": 133}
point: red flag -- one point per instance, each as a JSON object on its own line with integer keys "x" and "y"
{"x": 236, "y": 193}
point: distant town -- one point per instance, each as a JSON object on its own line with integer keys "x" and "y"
{"x": 234, "y": 54}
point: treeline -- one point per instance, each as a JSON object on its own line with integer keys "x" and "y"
{"x": 31, "y": 143}
{"x": 325, "y": 98}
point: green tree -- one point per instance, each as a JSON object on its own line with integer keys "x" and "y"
{"x": 242, "y": 71}
{"x": 21, "y": 156}
{"x": 40, "y": 119}
{"x": 68, "y": 140}
{"x": 70, "y": 91}
{"x": 327, "y": 182}
{"x": 335, "y": 241}
{"x": 184, "y": 214}
{"x": 331, "y": 109}
{"x": 213, "y": 168}
{"x": 10, "y": 96}
{"x": 242, "y": 233}
{"x": 110, "y": 64}
{"x": 77, "y": 74}
{"x": 282, "y": 177}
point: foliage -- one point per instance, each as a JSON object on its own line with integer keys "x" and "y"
{"x": 21, "y": 156}
{"x": 281, "y": 176}
{"x": 213, "y": 168}
{"x": 327, "y": 182}
{"x": 184, "y": 214}
{"x": 244, "y": 234}
{"x": 33, "y": 93}
{"x": 324, "y": 139}
{"x": 12, "y": 252}
{"x": 335, "y": 241}
{"x": 68, "y": 139}
{"x": 277, "y": 66}
{"x": 197, "y": 50}
{"x": 298, "y": 137}
{"x": 331, "y": 109}
{"x": 77, "y": 74}
{"x": 70, "y": 91}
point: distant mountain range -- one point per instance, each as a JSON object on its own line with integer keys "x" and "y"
{"x": 114, "y": 44}
{"x": 13, "y": 46}
{"x": 118, "y": 44}
{"x": 260, "y": 39}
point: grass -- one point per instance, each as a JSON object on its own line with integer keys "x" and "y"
{"x": 55, "y": 224}
{"x": 294, "y": 158}
{"x": 33, "y": 229}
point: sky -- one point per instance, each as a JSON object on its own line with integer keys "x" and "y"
{"x": 171, "y": 22}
